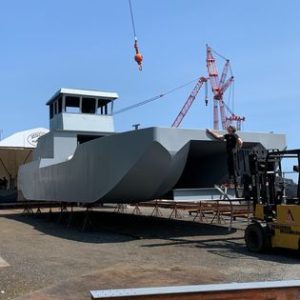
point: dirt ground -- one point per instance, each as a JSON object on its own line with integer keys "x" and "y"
{"x": 43, "y": 258}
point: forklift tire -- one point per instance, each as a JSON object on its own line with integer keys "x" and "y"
{"x": 256, "y": 238}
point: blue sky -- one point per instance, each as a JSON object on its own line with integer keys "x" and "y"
{"x": 50, "y": 44}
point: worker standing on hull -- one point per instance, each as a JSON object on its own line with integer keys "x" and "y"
{"x": 233, "y": 143}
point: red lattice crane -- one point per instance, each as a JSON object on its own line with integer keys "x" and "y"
{"x": 218, "y": 87}
{"x": 237, "y": 119}
{"x": 187, "y": 105}
{"x": 233, "y": 118}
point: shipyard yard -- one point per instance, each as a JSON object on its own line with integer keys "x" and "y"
{"x": 149, "y": 150}
{"x": 42, "y": 258}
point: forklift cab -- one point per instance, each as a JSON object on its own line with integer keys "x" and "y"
{"x": 266, "y": 181}
{"x": 276, "y": 221}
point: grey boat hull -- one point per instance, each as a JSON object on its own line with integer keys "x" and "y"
{"x": 133, "y": 166}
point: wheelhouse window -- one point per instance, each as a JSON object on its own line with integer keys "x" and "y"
{"x": 102, "y": 107}
{"x": 80, "y": 104}
{"x": 72, "y": 104}
{"x": 60, "y": 104}
{"x": 51, "y": 110}
{"x": 81, "y": 139}
{"x": 88, "y": 106}
{"x": 55, "y": 107}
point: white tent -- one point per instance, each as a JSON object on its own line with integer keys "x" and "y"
{"x": 16, "y": 150}
{"x": 23, "y": 139}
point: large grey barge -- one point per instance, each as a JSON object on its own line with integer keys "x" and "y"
{"x": 82, "y": 158}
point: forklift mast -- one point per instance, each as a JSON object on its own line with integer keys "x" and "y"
{"x": 262, "y": 177}
{"x": 276, "y": 218}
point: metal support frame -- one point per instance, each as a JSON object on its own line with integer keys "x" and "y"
{"x": 156, "y": 211}
{"x": 218, "y": 216}
{"x": 224, "y": 196}
{"x": 120, "y": 208}
{"x": 70, "y": 218}
{"x": 200, "y": 214}
{"x": 63, "y": 211}
{"x": 175, "y": 212}
{"x": 286, "y": 289}
{"x": 5, "y": 168}
{"x": 50, "y": 214}
{"x": 137, "y": 210}
{"x": 27, "y": 156}
{"x": 27, "y": 210}
{"x": 87, "y": 222}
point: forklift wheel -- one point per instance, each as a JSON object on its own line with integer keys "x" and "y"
{"x": 255, "y": 237}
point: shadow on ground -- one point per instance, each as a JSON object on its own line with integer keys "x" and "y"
{"x": 109, "y": 227}
{"x": 115, "y": 227}
{"x": 232, "y": 247}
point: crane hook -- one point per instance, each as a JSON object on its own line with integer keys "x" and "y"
{"x": 206, "y": 92}
{"x": 138, "y": 56}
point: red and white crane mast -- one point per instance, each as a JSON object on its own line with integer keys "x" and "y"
{"x": 218, "y": 86}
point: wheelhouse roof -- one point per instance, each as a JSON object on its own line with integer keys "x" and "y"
{"x": 83, "y": 92}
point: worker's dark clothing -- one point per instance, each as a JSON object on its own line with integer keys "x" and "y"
{"x": 230, "y": 164}
{"x": 231, "y": 143}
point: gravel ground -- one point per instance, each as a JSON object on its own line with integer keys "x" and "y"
{"x": 46, "y": 259}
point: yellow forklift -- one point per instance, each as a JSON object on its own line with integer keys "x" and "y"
{"x": 276, "y": 221}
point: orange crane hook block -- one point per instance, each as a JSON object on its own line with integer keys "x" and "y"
{"x": 138, "y": 56}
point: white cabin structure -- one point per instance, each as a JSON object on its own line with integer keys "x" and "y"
{"x": 82, "y": 110}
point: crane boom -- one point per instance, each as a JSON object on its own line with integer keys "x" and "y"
{"x": 187, "y": 105}
{"x": 219, "y": 85}
{"x": 214, "y": 82}
{"x": 212, "y": 70}
{"x": 227, "y": 84}
{"x": 222, "y": 113}
{"x": 224, "y": 73}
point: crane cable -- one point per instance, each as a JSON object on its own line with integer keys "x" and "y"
{"x": 223, "y": 57}
{"x": 138, "y": 104}
{"x": 231, "y": 91}
{"x": 138, "y": 56}
{"x": 220, "y": 55}
{"x": 132, "y": 19}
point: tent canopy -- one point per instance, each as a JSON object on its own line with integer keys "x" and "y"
{"x": 16, "y": 150}
{"x": 23, "y": 139}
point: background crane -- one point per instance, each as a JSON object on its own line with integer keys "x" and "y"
{"x": 218, "y": 87}
{"x": 187, "y": 105}
{"x": 233, "y": 118}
